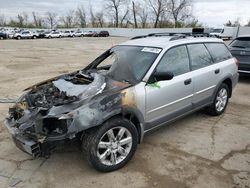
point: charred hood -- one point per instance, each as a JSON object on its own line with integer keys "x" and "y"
{"x": 70, "y": 88}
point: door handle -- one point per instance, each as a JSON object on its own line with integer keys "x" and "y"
{"x": 188, "y": 81}
{"x": 217, "y": 71}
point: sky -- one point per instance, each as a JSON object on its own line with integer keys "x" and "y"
{"x": 212, "y": 13}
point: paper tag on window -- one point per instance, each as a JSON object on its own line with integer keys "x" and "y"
{"x": 151, "y": 50}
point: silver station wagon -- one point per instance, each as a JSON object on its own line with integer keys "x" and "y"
{"x": 126, "y": 92}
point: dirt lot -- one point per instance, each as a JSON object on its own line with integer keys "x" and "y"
{"x": 197, "y": 151}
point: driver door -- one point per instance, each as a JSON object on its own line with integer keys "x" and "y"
{"x": 168, "y": 99}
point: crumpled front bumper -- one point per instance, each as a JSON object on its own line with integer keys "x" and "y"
{"x": 24, "y": 143}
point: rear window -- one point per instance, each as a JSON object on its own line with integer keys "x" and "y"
{"x": 243, "y": 42}
{"x": 199, "y": 56}
{"x": 218, "y": 51}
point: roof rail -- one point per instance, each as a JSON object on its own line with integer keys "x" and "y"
{"x": 175, "y": 36}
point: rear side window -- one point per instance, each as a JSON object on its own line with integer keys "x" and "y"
{"x": 199, "y": 56}
{"x": 218, "y": 51}
{"x": 175, "y": 60}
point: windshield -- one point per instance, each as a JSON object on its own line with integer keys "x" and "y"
{"x": 243, "y": 42}
{"x": 131, "y": 63}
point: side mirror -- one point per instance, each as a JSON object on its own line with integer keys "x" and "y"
{"x": 161, "y": 76}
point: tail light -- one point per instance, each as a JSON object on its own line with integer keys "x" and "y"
{"x": 237, "y": 62}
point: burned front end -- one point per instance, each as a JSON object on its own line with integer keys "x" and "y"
{"x": 53, "y": 111}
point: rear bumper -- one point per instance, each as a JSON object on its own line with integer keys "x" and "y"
{"x": 244, "y": 68}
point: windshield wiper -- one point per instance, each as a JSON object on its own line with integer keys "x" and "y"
{"x": 238, "y": 46}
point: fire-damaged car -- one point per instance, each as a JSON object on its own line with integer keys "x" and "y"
{"x": 127, "y": 91}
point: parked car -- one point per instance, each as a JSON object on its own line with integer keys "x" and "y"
{"x": 25, "y": 35}
{"x": 69, "y": 34}
{"x": 129, "y": 90}
{"x": 101, "y": 34}
{"x": 240, "y": 48}
{"x": 79, "y": 33}
{"x": 3, "y": 35}
{"x": 42, "y": 34}
{"x": 53, "y": 34}
{"x": 88, "y": 33}
{"x": 11, "y": 34}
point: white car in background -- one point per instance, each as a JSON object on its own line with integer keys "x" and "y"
{"x": 53, "y": 34}
{"x": 69, "y": 34}
{"x": 25, "y": 35}
{"x": 79, "y": 33}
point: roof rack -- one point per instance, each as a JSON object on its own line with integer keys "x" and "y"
{"x": 174, "y": 36}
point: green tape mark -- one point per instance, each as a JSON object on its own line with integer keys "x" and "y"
{"x": 156, "y": 85}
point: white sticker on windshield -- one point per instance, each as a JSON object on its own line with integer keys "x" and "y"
{"x": 151, "y": 50}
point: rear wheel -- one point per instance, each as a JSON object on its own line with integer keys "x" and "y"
{"x": 34, "y": 37}
{"x": 112, "y": 145}
{"x": 220, "y": 102}
{"x": 18, "y": 37}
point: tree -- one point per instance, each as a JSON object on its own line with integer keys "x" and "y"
{"x": 100, "y": 18}
{"x": 92, "y": 17}
{"x": 51, "y": 19}
{"x": 180, "y": 10}
{"x": 38, "y": 21}
{"x": 2, "y": 20}
{"x": 115, "y": 6}
{"x": 81, "y": 16}
{"x": 228, "y": 24}
{"x": 158, "y": 7}
{"x": 68, "y": 19}
{"x": 134, "y": 14}
{"x": 20, "y": 20}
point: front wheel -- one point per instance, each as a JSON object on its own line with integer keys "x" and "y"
{"x": 220, "y": 102}
{"x": 112, "y": 145}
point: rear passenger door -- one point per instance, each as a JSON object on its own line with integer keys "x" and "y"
{"x": 205, "y": 73}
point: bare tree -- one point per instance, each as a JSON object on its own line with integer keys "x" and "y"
{"x": 25, "y": 18}
{"x": 143, "y": 14}
{"x": 124, "y": 18}
{"x": 2, "y": 20}
{"x": 158, "y": 7}
{"x": 20, "y": 20}
{"x": 180, "y": 10}
{"x": 38, "y": 21}
{"x": 115, "y": 6}
{"x": 51, "y": 19}
{"x": 100, "y": 18}
{"x": 134, "y": 14}
{"x": 81, "y": 16}
{"x": 92, "y": 17}
{"x": 68, "y": 19}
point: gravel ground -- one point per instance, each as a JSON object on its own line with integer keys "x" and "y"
{"x": 197, "y": 151}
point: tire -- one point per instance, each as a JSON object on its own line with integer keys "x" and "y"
{"x": 34, "y": 37}
{"x": 1, "y": 38}
{"x": 50, "y": 37}
{"x": 121, "y": 148}
{"x": 220, "y": 101}
{"x": 18, "y": 38}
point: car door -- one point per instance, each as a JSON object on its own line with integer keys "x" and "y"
{"x": 166, "y": 100}
{"x": 205, "y": 72}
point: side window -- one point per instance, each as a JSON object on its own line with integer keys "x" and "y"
{"x": 218, "y": 51}
{"x": 199, "y": 56}
{"x": 175, "y": 60}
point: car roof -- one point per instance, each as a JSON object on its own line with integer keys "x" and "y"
{"x": 167, "y": 41}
